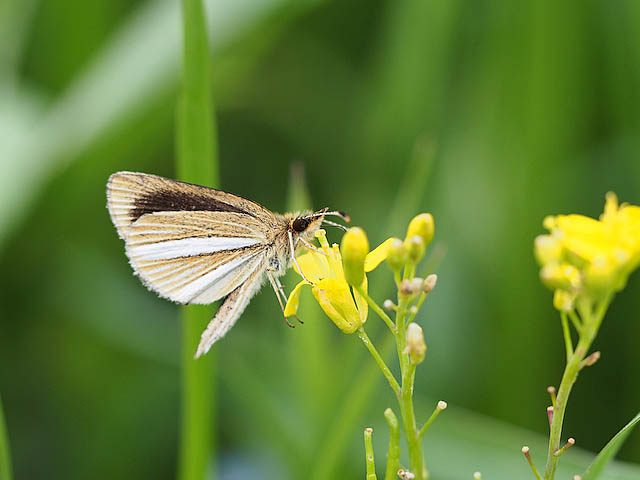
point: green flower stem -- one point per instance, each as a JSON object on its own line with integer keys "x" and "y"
{"x": 401, "y": 333}
{"x": 368, "y": 449}
{"x": 397, "y": 278}
{"x": 414, "y": 442}
{"x": 575, "y": 320}
{"x": 419, "y": 303}
{"x": 393, "y": 453}
{"x": 5, "y": 453}
{"x": 428, "y": 423}
{"x": 409, "y": 271}
{"x": 567, "y": 336}
{"x": 395, "y": 386}
{"x": 591, "y": 323}
{"x": 196, "y": 162}
{"x": 376, "y": 308}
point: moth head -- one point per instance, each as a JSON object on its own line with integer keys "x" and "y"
{"x": 307, "y": 222}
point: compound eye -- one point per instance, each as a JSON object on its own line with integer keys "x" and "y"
{"x": 300, "y": 224}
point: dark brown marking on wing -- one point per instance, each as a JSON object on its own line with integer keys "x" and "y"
{"x": 174, "y": 201}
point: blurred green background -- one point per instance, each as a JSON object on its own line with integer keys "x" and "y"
{"x": 529, "y": 108}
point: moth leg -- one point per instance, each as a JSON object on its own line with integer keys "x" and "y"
{"x": 311, "y": 247}
{"x": 295, "y": 260}
{"x": 277, "y": 288}
{"x": 284, "y": 295}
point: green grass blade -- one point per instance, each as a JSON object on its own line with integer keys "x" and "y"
{"x": 196, "y": 162}
{"x": 609, "y": 451}
{"x": 5, "y": 453}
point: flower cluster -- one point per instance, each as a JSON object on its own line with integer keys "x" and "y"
{"x": 324, "y": 268}
{"x": 585, "y": 258}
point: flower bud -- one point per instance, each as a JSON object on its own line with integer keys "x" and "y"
{"x": 549, "y": 222}
{"x": 416, "y": 284}
{"x": 415, "y": 247}
{"x": 406, "y": 288}
{"x": 563, "y": 276}
{"x": 422, "y": 226}
{"x": 563, "y": 301}
{"x": 547, "y": 249}
{"x": 429, "y": 283}
{"x": 590, "y": 360}
{"x": 416, "y": 348}
{"x": 388, "y": 305}
{"x": 397, "y": 255}
{"x": 355, "y": 248}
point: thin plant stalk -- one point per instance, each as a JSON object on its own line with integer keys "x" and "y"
{"x": 370, "y": 461}
{"x": 196, "y": 162}
{"x": 405, "y": 393}
{"x": 414, "y": 443}
{"x": 591, "y": 323}
{"x": 393, "y": 453}
{"x": 5, "y": 452}
{"x": 393, "y": 383}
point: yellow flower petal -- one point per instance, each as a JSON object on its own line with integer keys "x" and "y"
{"x": 314, "y": 266}
{"x": 579, "y": 224}
{"x": 377, "y": 256}
{"x": 291, "y": 308}
{"x": 335, "y": 298}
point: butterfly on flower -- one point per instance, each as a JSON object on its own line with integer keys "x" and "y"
{"x": 194, "y": 244}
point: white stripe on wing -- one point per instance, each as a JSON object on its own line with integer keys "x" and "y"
{"x": 187, "y": 247}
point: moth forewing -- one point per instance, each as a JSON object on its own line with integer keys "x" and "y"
{"x": 131, "y": 195}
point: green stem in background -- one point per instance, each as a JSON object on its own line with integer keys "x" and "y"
{"x": 5, "y": 452}
{"x": 393, "y": 453}
{"x": 383, "y": 366}
{"x": 590, "y": 324}
{"x": 368, "y": 449}
{"x": 196, "y": 162}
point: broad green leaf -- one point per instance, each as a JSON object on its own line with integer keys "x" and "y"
{"x": 609, "y": 451}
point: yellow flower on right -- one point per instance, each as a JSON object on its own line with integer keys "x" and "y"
{"x": 582, "y": 256}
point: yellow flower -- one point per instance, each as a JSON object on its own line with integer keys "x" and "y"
{"x": 346, "y": 308}
{"x": 603, "y": 251}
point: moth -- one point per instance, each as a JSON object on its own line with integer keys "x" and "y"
{"x": 194, "y": 244}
